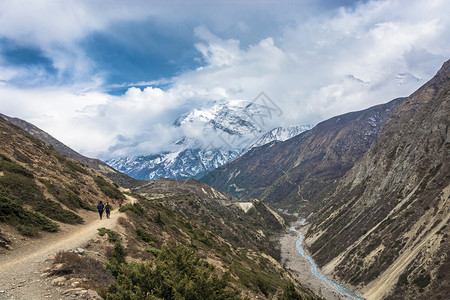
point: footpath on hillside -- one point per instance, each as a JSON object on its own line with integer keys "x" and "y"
{"x": 22, "y": 269}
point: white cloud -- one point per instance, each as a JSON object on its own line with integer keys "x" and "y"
{"x": 313, "y": 68}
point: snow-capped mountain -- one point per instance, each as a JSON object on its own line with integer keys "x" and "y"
{"x": 280, "y": 134}
{"x": 220, "y": 132}
{"x": 234, "y": 117}
{"x": 182, "y": 164}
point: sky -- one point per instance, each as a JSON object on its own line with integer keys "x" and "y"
{"x": 108, "y": 78}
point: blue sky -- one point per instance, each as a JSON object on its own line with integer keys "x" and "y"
{"x": 108, "y": 78}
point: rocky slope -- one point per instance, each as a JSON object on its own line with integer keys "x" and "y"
{"x": 385, "y": 228}
{"x": 297, "y": 173}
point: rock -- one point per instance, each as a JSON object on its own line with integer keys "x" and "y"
{"x": 80, "y": 250}
{"x": 91, "y": 294}
{"x": 75, "y": 284}
{"x": 57, "y": 267}
{"x": 58, "y": 281}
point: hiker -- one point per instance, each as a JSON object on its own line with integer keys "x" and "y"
{"x": 120, "y": 203}
{"x": 100, "y": 208}
{"x": 108, "y": 210}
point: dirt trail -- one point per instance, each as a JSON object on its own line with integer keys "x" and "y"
{"x": 21, "y": 270}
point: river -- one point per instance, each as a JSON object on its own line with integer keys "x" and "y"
{"x": 315, "y": 269}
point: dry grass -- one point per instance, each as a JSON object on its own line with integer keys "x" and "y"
{"x": 82, "y": 267}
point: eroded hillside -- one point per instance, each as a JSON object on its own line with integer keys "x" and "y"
{"x": 385, "y": 229}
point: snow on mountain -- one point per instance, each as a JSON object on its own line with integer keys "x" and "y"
{"x": 226, "y": 131}
{"x": 182, "y": 164}
{"x": 234, "y": 117}
{"x": 280, "y": 134}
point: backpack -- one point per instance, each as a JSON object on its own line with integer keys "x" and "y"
{"x": 100, "y": 206}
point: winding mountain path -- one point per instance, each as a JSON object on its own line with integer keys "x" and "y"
{"x": 21, "y": 270}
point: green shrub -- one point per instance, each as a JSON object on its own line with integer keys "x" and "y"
{"x": 136, "y": 208}
{"x": 67, "y": 197}
{"x": 116, "y": 259}
{"x": 112, "y": 235}
{"x": 27, "y": 222}
{"x": 145, "y": 236}
{"x": 177, "y": 274}
{"x": 422, "y": 281}
{"x": 290, "y": 293}
{"x": 107, "y": 188}
{"x": 154, "y": 251}
{"x": 7, "y": 165}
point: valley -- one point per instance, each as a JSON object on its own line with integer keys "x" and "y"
{"x": 373, "y": 186}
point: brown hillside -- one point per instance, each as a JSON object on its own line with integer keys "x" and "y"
{"x": 385, "y": 229}
{"x": 39, "y": 187}
{"x": 96, "y": 164}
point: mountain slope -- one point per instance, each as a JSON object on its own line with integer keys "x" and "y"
{"x": 40, "y": 188}
{"x": 385, "y": 229}
{"x": 296, "y": 173}
{"x": 96, "y": 164}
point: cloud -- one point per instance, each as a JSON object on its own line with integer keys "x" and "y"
{"x": 315, "y": 60}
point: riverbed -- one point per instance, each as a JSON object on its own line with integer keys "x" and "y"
{"x": 295, "y": 258}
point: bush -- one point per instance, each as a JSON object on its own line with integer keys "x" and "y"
{"x": 136, "y": 208}
{"x": 422, "y": 281}
{"x": 8, "y": 165}
{"x": 112, "y": 235}
{"x": 67, "y": 197}
{"x": 27, "y": 222}
{"x": 177, "y": 274}
{"x": 107, "y": 188}
{"x": 145, "y": 236}
{"x": 290, "y": 293}
{"x": 116, "y": 259}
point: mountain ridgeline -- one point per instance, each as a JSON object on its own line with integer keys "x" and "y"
{"x": 374, "y": 186}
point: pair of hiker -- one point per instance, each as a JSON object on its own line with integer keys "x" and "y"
{"x": 101, "y": 207}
